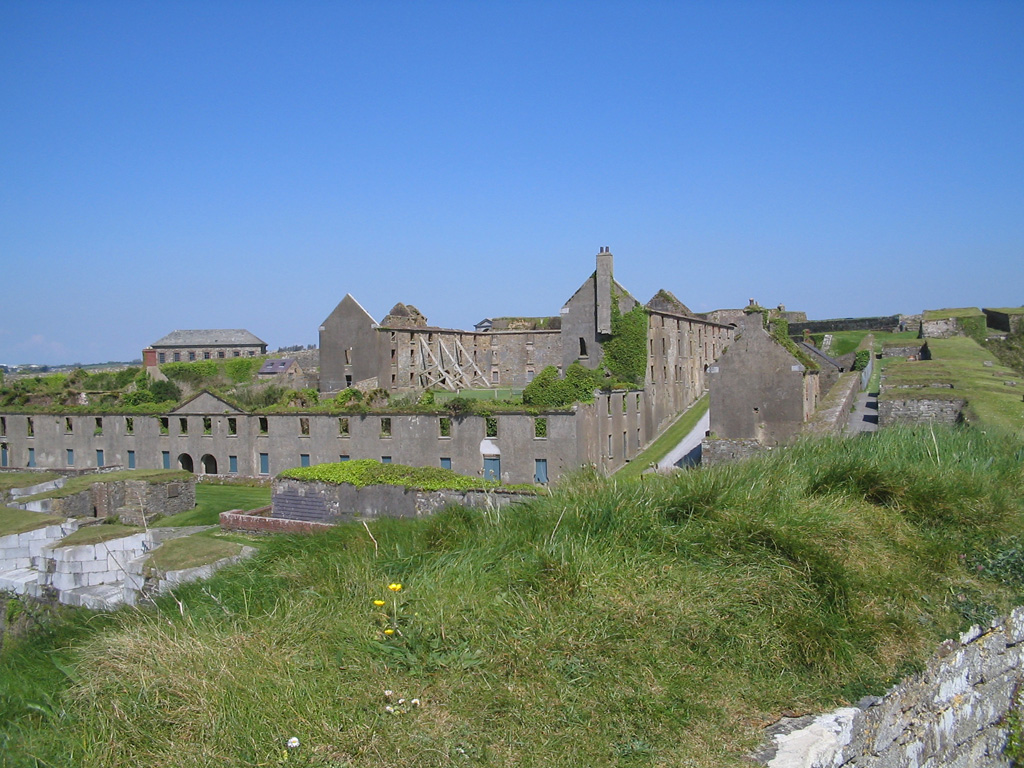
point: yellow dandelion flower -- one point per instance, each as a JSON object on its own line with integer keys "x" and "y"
{"x": 378, "y": 603}
{"x": 395, "y": 587}
{"x": 389, "y": 631}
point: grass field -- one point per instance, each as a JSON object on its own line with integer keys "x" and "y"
{"x": 20, "y": 520}
{"x": 191, "y": 551}
{"x": 211, "y": 500}
{"x": 659, "y": 623}
{"x": 80, "y": 483}
{"x": 992, "y": 400}
{"x": 10, "y": 480}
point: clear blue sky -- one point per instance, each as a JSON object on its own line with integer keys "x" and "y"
{"x": 246, "y": 164}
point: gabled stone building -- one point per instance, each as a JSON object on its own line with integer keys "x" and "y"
{"x": 760, "y": 389}
{"x": 211, "y": 344}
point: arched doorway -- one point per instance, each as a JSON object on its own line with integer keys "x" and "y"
{"x": 185, "y": 462}
{"x": 209, "y": 464}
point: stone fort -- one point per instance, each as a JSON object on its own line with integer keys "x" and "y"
{"x": 404, "y": 354}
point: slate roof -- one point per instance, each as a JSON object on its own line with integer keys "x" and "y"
{"x": 276, "y": 366}
{"x": 223, "y": 337}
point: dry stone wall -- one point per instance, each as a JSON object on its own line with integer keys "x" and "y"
{"x": 952, "y": 715}
{"x": 920, "y": 411}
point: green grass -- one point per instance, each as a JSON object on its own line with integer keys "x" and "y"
{"x": 665, "y": 442}
{"x": 961, "y": 362}
{"x": 81, "y": 483}
{"x": 94, "y": 534}
{"x": 666, "y": 621}
{"x": 9, "y": 480}
{"x": 942, "y": 314}
{"x": 190, "y": 552}
{"x": 498, "y": 393}
{"x": 20, "y": 520}
{"x": 211, "y": 500}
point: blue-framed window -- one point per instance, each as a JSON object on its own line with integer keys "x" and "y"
{"x": 540, "y": 470}
{"x": 385, "y": 459}
{"x": 343, "y": 457}
{"x": 492, "y": 467}
{"x": 264, "y": 463}
{"x": 446, "y": 462}
{"x": 303, "y": 459}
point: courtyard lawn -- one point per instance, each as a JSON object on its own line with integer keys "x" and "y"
{"x": 211, "y": 500}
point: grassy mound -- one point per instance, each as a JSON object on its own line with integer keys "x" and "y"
{"x": 662, "y": 621}
{"x": 363, "y": 472}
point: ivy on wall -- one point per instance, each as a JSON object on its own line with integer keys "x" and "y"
{"x": 625, "y": 353}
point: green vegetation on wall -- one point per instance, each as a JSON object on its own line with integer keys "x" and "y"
{"x": 625, "y": 353}
{"x": 779, "y": 329}
{"x": 547, "y": 390}
{"x": 363, "y": 472}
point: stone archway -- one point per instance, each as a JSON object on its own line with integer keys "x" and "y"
{"x": 209, "y": 464}
{"x": 185, "y": 462}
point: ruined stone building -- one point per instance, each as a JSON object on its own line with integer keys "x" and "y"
{"x": 405, "y": 354}
{"x": 765, "y": 390}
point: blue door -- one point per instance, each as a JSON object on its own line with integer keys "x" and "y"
{"x": 3, "y": 455}
{"x": 540, "y": 472}
{"x": 492, "y": 467}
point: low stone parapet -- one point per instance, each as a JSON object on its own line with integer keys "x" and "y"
{"x": 955, "y": 713}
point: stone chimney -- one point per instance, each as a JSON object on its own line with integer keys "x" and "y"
{"x": 604, "y": 291}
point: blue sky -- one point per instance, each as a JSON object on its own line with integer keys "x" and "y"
{"x": 246, "y": 164}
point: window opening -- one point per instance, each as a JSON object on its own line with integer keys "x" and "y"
{"x": 164, "y": 425}
{"x": 129, "y": 425}
{"x": 71, "y": 457}
{"x": 30, "y": 427}
{"x": 304, "y": 426}
{"x": 445, "y": 426}
{"x": 385, "y": 426}
{"x": 99, "y": 426}
{"x": 540, "y": 428}
{"x": 343, "y": 426}
{"x": 303, "y": 459}
{"x": 232, "y": 426}
{"x": 583, "y": 347}
{"x": 491, "y": 428}
{"x": 446, "y": 462}
{"x": 183, "y": 425}
{"x": 264, "y": 463}
{"x": 264, "y": 426}
{"x": 67, "y": 425}
{"x": 207, "y": 425}
{"x": 385, "y": 459}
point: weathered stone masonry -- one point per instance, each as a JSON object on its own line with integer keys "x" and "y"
{"x": 953, "y": 715}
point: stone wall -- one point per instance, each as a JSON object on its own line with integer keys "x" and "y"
{"x": 886, "y": 323}
{"x": 954, "y": 714}
{"x": 833, "y": 414}
{"x": 1004, "y": 321}
{"x": 919, "y": 410}
{"x": 722, "y": 450}
{"x": 128, "y": 499}
{"x": 917, "y": 351}
{"x": 247, "y": 522}
{"x": 328, "y": 503}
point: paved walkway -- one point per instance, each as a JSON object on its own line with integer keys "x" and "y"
{"x": 687, "y": 452}
{"x": 864, "y": 417}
